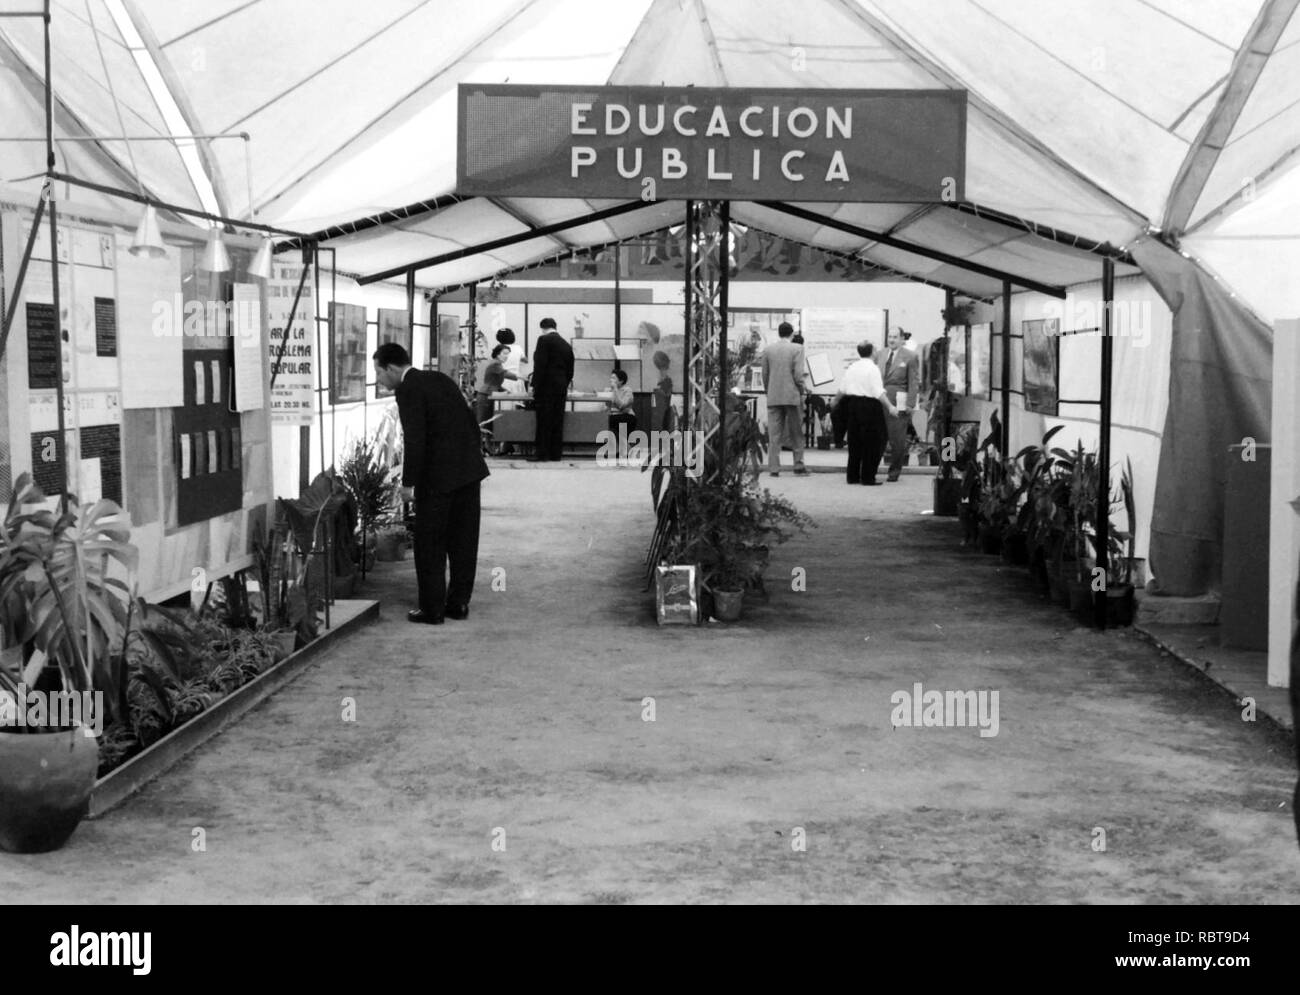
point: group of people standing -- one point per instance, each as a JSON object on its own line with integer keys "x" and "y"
{"x": 873, "y": 405}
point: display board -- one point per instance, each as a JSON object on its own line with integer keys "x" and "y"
{"x": 1042, "y": 352}
{"x": 147, "y": 349}
{"x": 835, "y": 333}
{"x": 292, "y": 399}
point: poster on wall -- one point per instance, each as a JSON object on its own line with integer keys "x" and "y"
{"x": 1042, "y": 341}
{"x": 151, "y": 328}
{"x": 394, "y": 326}
{"x": 347, "y": 353}
{"x": 836, "y": 332}
{"x": 292, "y": 369}
{"x": 247, "y": 306}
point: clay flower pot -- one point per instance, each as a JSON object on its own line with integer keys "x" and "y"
{"x": 727, "y": 605}
{"x": 45, "y": 784}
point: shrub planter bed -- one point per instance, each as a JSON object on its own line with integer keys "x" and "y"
{"x": 123, "y": 781}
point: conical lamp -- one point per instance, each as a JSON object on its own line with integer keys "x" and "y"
{"x": 215, "y": 257}
{"x": 148, "y": 239}
{"x": 261, "y": 265}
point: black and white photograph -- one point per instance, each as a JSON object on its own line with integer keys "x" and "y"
{"x": 708, "y": 452}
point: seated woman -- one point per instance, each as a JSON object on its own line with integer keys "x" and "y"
{"x": 620, "y": 406}
{"x": 494, "y": 378}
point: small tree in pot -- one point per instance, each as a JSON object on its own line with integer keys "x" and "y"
{"x": 63, "y": 624}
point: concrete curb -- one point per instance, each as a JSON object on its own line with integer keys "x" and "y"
{"x": 121, "y": 783}
{"x": 1281, "y": 722}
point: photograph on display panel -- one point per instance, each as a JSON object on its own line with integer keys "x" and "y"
{"x": 348, "y": 360}
{"x": 394, "y": 326}
{"x": 1042, "y": 343}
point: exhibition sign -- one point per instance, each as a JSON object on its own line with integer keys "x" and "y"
{"x": 660, "y": 143}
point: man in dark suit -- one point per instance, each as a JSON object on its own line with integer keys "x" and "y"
{"x": 901, "y": 371}
{"x": 442, "y": 468}
{"x": 552, "y": 374}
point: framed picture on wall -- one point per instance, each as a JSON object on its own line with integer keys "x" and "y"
{"x": 1042, "y": 366}
{"x": 348, "y": 362}
{"x": 394, "y": 326}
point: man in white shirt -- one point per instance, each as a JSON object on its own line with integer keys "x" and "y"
{"x": 862, "y": 393}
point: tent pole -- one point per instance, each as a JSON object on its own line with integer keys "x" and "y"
{"x": 689, "y": 351}
{"x": 61, "y": 453}
{"x": 1006, "y": 367}
{"x": 1103, "y": 446}
{"x": 724, "y": 375}
{"x": 618, "y": 318}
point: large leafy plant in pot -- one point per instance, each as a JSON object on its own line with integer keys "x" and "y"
{"x": 63, "y": 623}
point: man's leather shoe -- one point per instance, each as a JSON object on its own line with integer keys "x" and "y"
{"x": 419, "y": 615}
{"x": 802, "y": 471}
{"x": 534, "y": 459}
{"x": 891, "y": 479}
{"x": 458, "y": 612}
{"x": 871, "y": 483}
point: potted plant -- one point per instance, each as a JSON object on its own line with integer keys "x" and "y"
{"x": 390, "y": 542}
{"x": 63, "y": 624}
{"x": 290, "y": 603}
{"x": 725, "y": 523}
{"x": 373, "y": 487}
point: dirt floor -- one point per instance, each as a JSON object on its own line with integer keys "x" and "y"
{"x": 524, "y": 727}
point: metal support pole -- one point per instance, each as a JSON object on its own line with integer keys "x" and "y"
{"x": 1103, "y": 444}
{"x": 467, "y": 367}
{"x": 724, "y": 373}
{"x": 410, "y": 303}
{"x": 1006, "y": 367}
{"x": 688, "y": 353}
{"x": 618, "y": 307}
{"x": 62, "y": 451}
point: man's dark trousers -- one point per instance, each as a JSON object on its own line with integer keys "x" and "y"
{"x": 549, "y": 440}
{"x": 446, "y": 530}
{"x": 866, "y": 431}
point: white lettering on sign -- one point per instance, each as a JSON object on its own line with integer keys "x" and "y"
{"x": 674, "y": 168}
{"x": 583, "y": 155}
{"x": 714, "y": 172}
{"x": 754, "y": 121}
{"x": 580, "y": 112}
{"x": 677, "y": 121}
{"x": 616, "y": 129}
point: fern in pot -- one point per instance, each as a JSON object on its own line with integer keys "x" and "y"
{"x": 63, "y": 625}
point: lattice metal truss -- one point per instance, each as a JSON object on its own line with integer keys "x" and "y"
{"x": 706, "y": 278}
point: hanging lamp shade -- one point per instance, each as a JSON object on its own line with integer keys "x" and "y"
{"x": 215, "y": 257}
{"x": 148, "y": 239}
{"x": 261, "y": 265}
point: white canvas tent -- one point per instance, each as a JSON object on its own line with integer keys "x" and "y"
{"x": 1122, "y": 123}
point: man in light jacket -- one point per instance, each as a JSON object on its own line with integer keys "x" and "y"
{"x": 783, "y": 379}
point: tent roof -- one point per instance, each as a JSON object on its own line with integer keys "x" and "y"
{"x": 1077, "y": 123}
